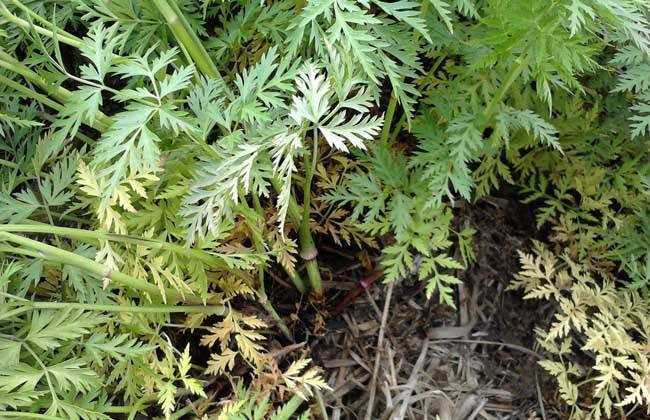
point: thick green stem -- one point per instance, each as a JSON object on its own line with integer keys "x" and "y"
{"x": 31, "y": 94}
{"x": 61, "y": 94}
{"x": 297, "y": 281}
{"x": 187, "y": 39}
{"x": 93, "y": 235}
{"x": 70, "y": 258}
{"x": 397, "y": 129}
{"x": 53, "y": 32}
{"x": 28, "y": 305}
{"x": 8, "y": 164}
{"x": 8, "y": 62}
{"x": 503, "y": 89}
{"x": 20, "y": 414}
{"x": 313, "y": 273}
{"x": 119, "y": 409}
{"x": 388, "y": 120}
{"x": 308, "y": 250}
{"x": 60, "y": 35}
{"x": 66, "y": 217}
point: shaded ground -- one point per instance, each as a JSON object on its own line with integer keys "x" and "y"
{"x": 476, "y": 362}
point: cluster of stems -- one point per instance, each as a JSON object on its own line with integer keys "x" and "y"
{"x": 189, "y": 42}
{"x": 56, "y": 97}
{"x": 195, "y": 52}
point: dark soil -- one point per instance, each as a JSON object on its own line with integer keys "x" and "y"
{"x": 461, "y": 374}
{"x": 477, "y": 361}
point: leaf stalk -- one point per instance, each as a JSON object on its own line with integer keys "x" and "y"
{"x": 66, "y": 257}
{"x": 187, "y": 39}
{"x": 512, "y": 75}
{"x": 308, "y": 250}
{"x": 28, "y": 305}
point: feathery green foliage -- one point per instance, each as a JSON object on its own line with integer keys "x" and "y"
{"x": 159, "y": 158}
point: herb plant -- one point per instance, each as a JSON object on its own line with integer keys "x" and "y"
{"x": 160, "y": 158}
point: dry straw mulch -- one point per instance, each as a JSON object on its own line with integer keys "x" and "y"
{"x": 394, "y": 355}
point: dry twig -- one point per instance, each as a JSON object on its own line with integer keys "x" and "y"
{"x": 380, "y": 344}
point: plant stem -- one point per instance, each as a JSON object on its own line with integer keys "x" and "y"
{"x": 54, "y": 32}
{"x": 17, "y": 414}
{"x": 153, "y": 309}
{"x": 119, "y": 409}
{"x": 261, "y": 288}
{"x": 31, "y": 94}
{"x": 513, "y": 74}
{"x": 297, "y": 281}
{"x": 388, "y": 119}
{"x": 61, "y": 94}
{"x": 8, "y": 163}
{"x": 70, "y": 258}
{"x": 308, "y": 250}
{"x": 60, "y": 35}
{"x": 268, "y": 307}
{"x": 180, "y": 413}
{"x": 94, "y": 235}
{"x": 187, "y": 39}
{"x": 397, "y": 129}
{"x": 8, "y": 62}
{"x": 321, "y": 404}
{"x": 66, "y": 217}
